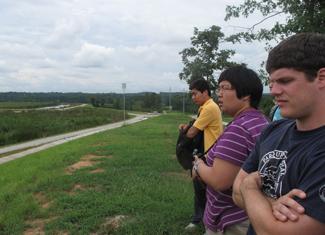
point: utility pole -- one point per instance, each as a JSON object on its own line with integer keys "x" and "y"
{"x": 123, "y": 88}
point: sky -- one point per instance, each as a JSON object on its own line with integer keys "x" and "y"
{"x": 96, "y": 45}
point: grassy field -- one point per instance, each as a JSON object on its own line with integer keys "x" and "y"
{"x": 123, "y": 181}
{"x": 226, "y": 118}
{"x": 24, "y": 105}
{"x": 27, "y": 125}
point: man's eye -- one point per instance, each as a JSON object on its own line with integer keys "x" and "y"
{"x": 286, "y": 81}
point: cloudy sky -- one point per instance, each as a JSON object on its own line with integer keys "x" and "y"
{"x": 96, "y": 45}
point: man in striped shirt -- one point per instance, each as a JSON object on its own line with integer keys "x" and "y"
{"x": 239, "y": 94}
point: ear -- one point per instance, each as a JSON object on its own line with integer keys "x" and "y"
{"x": 246, "y": 98}
{"x": 321, "y": 77}
{"x": 205, "y": 92}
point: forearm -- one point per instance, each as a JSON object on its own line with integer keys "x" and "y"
{"x": 238, "y": 198}
{"x": 193, "y": 131}
{"x": 236, "y": 194}
{"x": 259, "y": 211}
{"x": 220, "y": 176}
{"x": 209, "y": 177}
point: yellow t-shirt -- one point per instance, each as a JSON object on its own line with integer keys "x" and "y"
{"x": 209, "y": 121}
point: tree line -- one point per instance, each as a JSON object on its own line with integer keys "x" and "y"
{"x": 144, "y": 101}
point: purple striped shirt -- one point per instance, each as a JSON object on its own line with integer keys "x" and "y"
{"x": 234, "y": 146}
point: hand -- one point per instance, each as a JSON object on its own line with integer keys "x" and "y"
{"x": 194, "y": 175}
{"x": 182, "y": 126}
{"x": 286, "y": 208}
{"x": 197, "y": 161}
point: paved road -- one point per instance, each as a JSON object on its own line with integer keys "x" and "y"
{"x": 44, "y": 143}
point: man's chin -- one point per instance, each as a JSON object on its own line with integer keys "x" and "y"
{"x": 287, "y": 115}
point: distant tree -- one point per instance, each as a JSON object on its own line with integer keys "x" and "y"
{"x": 93, "y": 101}
{"x": 204, "y": 57}
{"x": 179, "y": 99}
{"x": 266, "y": 104}
{"x": 152, "y": 102}
{"x": 301, "y": 16}
{"x": 118, "y": 103}
{"x": 102, "y": 102}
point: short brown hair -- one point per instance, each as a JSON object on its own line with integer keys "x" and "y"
{"x": 304, "y": 52}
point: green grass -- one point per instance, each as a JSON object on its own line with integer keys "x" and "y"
{"x": 141, "y": 181}
{"x": 24, "y": 105}
{"x": 24, "y": 126}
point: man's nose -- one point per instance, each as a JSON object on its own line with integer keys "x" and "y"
{"x": 275, "y": 89}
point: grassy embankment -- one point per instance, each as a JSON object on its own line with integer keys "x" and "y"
{"x": 24, "y": 105}
{"x": 132, "y": 184}
{"x": 22, "y": 126}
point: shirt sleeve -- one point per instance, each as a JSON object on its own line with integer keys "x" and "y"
{"x": 205, "y": 118}
{"x": 233, "y": 145}
{"x": 252, "y": 161}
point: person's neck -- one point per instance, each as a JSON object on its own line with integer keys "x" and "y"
{"x": 310, "y": 123}
{"x": 205, "y": 100}
{"x": 314, "y": 120}
{"x": 243, "y": 109}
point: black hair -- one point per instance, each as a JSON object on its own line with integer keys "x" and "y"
{"x": 246, "y": 83}
{"x": 304, "y": 52}
{"x": 200, "y": 85}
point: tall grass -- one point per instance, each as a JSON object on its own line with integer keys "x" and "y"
{"x": 140, "y": 181}
{"x": 17, "y": 127}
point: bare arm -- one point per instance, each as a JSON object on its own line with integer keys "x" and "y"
{"x": 236, "y": 194}
{"x": 193, "y": 131}
{"x": 259, "y": 210}
{"x": 220, "y": 176}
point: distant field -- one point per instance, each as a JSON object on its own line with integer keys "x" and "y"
{"x": 226, "y": 118}
{"x": 22, "y": 126}
{"x": 25, "y": 105}
{"x": 122, "y": 182}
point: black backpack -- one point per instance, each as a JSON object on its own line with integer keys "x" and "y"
{"x": 185, "y": 147}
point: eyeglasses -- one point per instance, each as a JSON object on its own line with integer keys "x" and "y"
{"x": 223, "y": 88}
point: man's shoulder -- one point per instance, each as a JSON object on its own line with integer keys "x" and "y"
{"x": 252, "y": 122}
{"x": 253, "y": 117}
{"x": 210, "y": 105}
{"x": 274, "y": 131}
{"x": 278, "y": 127}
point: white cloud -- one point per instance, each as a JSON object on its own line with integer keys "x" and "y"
{"x": 138, "y": 50}
{"x": 66, "y": 32}
{"x": 95, "y": 46}
{"x": 91, "y": 55}
{"x": 21, "y": 50}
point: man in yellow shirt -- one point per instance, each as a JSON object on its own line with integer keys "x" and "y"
{"x": 210, "y": 122}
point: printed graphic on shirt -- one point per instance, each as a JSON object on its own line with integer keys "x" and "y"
{"x": 272, "y": 169}
{"x": 322, "y": 193}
